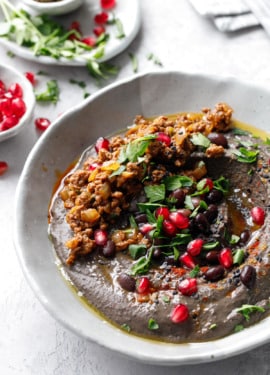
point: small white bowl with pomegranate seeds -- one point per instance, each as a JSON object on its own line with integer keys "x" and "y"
{"x": 17, "y": 102}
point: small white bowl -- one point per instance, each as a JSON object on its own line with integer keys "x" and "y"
{"x": 54, "y": 7}
{"x": 10, "y": 75}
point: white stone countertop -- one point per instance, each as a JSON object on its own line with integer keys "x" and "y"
{"x": 31, "y": 341}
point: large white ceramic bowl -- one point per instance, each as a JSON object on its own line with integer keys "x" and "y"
{"x": 9, "y": 76}
{"x": 108, "y": 110}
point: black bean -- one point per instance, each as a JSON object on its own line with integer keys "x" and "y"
{"x": 109, "y": 250}
{"x": 179, "y": 195}
{"x": 214, "y": 273}
{"x": 127, "y": 282}
{"x": 214, "y": 196}
{"x": 248, "y": 276}
{"x": 141, "y": 218}
{"x": 212, "y": 257}
{"x": 202, "y": 223}
{"x": 157, "y": 253}
{"x": 211, "y": 212}
{"x": 218, "y": 139}
{"x": 244, "y": 236}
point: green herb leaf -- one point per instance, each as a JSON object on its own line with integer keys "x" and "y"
{"x": 155, "y": 59}
{"x": 188, "y": 203}
{"x": 176, "y": 182}
{"x": 155, "y": 193}
{"x": 210, "y": 245}
{"x": 145, "y": 207}
{"x": 238, "y": 328}
{"x": 166, "y": 299}
{"x": 51, "y": 94}
{"x": 198, "y": 139}
{"x": 120, "y": 29}
{"x": 135, "y": 149}
{"x": 195, "y": 271}
{"x": 238, "y": 256}
{"x": 238, "y": 131}
{"x": 234, "y": 239}
{"x": 136, "y": 251}
{"x": 152, "y": 324}
{"x": 125, "y": 327}
{"x": 246, "y": 156}
{"x": 222, "y": 184}
{"x": 246, "y": 310}
{"x": 267, "y": 141}
{"x": 134, "y": 62}
{"x": 143, "y": 264}
{"x": 213, "y": 326}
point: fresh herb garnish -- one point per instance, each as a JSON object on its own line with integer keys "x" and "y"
{"x": 210, "y": 245}
{"x": 134, "y": 62}
{"x": 213, "y": 326}
{"x": 238, "y": 131}
{"x": 143, "y": 264}
{"x": 238, "y": 328}
{"x": 176, "y": 182}
{"x": 126, "y": 327}
{"x": 136, "y": 251}
{"x": 155, "y": 59}
{"x": 195, "y": 271}
{"x": 267, "y": 141}
{"x": 51, "y": 94}
{"x": 198, "y": 139}
{"x": 238, "y": 256}
{"x": 120, "y": 29}
{"x": 152, "y": 324}
{"x": 135, "y": 149}
{"x": 155, "y": 193}
{"x": 234, "y": 239}
{"x": 246, "y": 310}
{"x": 246, "y": 156}
{"x": 222, "y": 184}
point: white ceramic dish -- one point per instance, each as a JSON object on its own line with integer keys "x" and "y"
{"x": 10, "y": 75}
{"x": 128, "y": 13}
{"x": 55, "y": 8}
{"x": 147, "y": 94}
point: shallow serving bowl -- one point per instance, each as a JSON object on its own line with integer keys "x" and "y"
{"x": 9, "y": 76}
{"x": 54, "y": 8}
{"x": 111, "y": 109}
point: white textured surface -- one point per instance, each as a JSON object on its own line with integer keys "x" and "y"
{"x": 31, "y": 342}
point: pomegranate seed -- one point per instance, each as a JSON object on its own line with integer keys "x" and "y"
{"x": 179, "y": 313}
{"x": 99, "y": 30}
{"x": 179, "y": 220}
{"x": 169, "y": 228}
{"x": 188, "y": 286}
{"x": 164, "y": 138}
{"x": 18, "y": 107}
{"x": 257, "y": 215}
{"x": 226, "y": 257}
{"x": 89, "y": 40}
{"x": 145, "y": 228}
{"x": 101, "y": 18}
{"x": 31, "y": 77}
{"x": 101, "y": 237}
{"x": 3, "y": 167}
{"x": 207, "y": 182}
{"x": 194, "y": 247}
{"x": 2, "y": 86}
{"x": 187, "y": 260}
{"x": 143, "y": 285}
{"x": 5, "y": 106}
{"x": 42, "y": 123}
{"x": 16, "y": 90}
{"x": 8, "y": 123}
{"x": 75, "y": 25}
{"x": 107, "y": 4}
{"x": 102, "y": 143}
{"x": 162, "y": 211}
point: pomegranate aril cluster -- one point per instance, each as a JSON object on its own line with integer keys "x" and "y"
{"x": 12, "y": 105}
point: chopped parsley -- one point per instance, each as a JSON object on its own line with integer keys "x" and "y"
{"x": 152, "y": 324}
{"x": 246, "y": 310}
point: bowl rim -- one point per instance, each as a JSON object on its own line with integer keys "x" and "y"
{"x": 194, "y": 352}
{"x": 30, "y": 104}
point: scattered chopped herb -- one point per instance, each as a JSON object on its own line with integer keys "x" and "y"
{"x": 246, "y": 310}
{"x": 51, "y": 94}
{"x": 213, "y": 326}
{"x": 188, "y": 203}
{"x": 10, "y": 54}
{"x": 135, "y": 149}
{"x": 202, "y": 205}
{"x": 246, "y": 156}
{"x": 126, "y": 327}
{"x": 175, "y": 182}
{"x": 152, "y": 324}
{"x": 143, "y": 264}
{"x": 155, "y": 193}
{"x": 154, "y": 58}
{"x": 238, "y": 256}
{"x": 222, "y": 184}
{"x": 198, "y": 139}
{"x": 136, "y": 251}
{"x": 238, "y": 131}
{"x": 100, "y": 70}
{"x": 267, "y": 141}
{"x": 210, "y": 245}
{"x": 120, "y": 30}
{"x": 176, "y": 253}
{"x": 132, "y": 222}
{"x": 234, "y": 239}
{"x": 81, "y": 84}
{"x": 166, "y": 299}
{"x": 118, "y": 171}
{"x": 195, "y": 271}
{"x": 134, "y": 62}
{"x": 145, "y": 207}
{"x": 238, "y": 328}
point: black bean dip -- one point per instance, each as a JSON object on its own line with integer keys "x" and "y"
{"x": 165, "y": 229}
